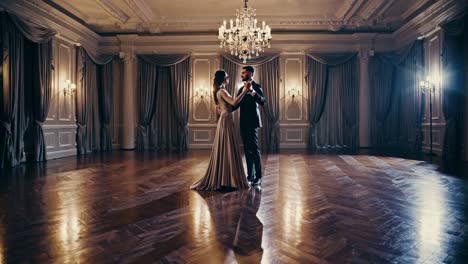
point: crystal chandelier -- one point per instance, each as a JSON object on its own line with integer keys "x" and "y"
{"x": 244, "y": 39}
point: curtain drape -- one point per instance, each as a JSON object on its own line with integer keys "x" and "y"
{"x": 146, "y": 89}
{"x": 317, "y": 76}
{"x": 454, "y": 48}
{"x": 163, "y": 125}
{"x": 12, "y": 91}
{"x": 333, "y": 100}
{"x": 350, "y": 104}
{"x": 31, "y": 31}
{"x": 255, "y": 61}
{"x": 164, "y": 60}
{"x": 93, "y": 101}
{"x": 16, "y": 35}
{"x": 382, "y": 79}
{"x": 269, "y": 77}
{"x": 83, "y": 88}
{"x": 164, "y": 94}
{"x": 42, "y": 92}
{"x": 396, "y": 99}
{"x": 180, "y": 100}
{"x": 106, "y": 96}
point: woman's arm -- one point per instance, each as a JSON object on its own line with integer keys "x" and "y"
{"x": 230, "y": 100}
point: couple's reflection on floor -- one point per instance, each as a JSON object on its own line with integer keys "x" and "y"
{"x": 237, "y": 227}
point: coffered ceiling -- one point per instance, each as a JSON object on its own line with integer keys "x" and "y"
{"x": 156, "y": 16}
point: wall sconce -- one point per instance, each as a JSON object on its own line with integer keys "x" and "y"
{"x": 293, "y": 92}
{"x": 429, "y": 85}
{"x": 69, "y": 88}
{"x": 201, "y": 92}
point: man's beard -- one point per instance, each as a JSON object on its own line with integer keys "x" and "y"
{"x": 245, "y": 79}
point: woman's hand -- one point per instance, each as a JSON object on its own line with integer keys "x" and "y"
{"x": 247, "y": 86}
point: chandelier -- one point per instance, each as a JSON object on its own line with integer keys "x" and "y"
{"x": 244, "y": 39}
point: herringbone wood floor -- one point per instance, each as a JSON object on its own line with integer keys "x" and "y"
{"x": 132, "y": 208}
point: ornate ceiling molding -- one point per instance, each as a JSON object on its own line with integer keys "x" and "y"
{"x": 72, "y": 9}
{"x": 45, "y": 15}
{"x": 414, "y": 7}
{"x": 290, "y": 43}
{"x": 185, "y": 24}
{"x": 349, "y": 9}
{"x": 299, "y": 33}
{"x": 344, "y": 9}
{"x": 352, "y": 16}
{"x": 113, "y": 10}
{"x": 142, "y": 10}
{"x": 375, "y": 8}
{"x": 428, "y": 20}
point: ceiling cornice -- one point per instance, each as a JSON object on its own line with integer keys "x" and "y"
{"x": 428, "y": 20}
{"x": 284, "y": 39}
{"x": 142, "y": 10}
{"x": 282, "y": 42}
{"x": 43, "y": 14}
{"x": 113, "y": 10}
{"x": 375, "y": 8}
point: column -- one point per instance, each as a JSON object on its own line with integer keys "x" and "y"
{"x": 364, "y": 99}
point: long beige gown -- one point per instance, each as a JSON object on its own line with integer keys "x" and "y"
{"x": 225, "y": 168}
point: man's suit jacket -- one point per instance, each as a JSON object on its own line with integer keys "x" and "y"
{"x": 249, "y": 113}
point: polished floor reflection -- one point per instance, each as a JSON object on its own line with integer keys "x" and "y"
{"x": 125, "y": 207}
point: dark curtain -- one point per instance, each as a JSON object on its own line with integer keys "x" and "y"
{"x": 267, "y": 75}
{"x": 350, "y": 103}
{"x": 42, "y": 92}
{"x": 12, "y": 91}
{"x": 396, "y": 99}
{"x": 31, "y": 31}
{"x": 164, "y": 94}
{"x": 333, "y": 91}
{"x": 383, "y": 123}
{"x": 164, "y": 126}
{"x": 317, "y": 76}
{"x": 82, "y": 96}
{"x": 16, "y": 35}
{"x": 93, "y": 101}
{"x": 180, "y": 73}
{"x": 453, "y": 96}
{"x": 105, "y": 103}
{"x": 411, "y": 72}
{"x": 146, "y": 88}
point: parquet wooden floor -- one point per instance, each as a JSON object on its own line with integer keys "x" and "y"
{"x": 126, "y": 207}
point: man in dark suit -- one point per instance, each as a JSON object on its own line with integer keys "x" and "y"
{"x": 250, "y": 121}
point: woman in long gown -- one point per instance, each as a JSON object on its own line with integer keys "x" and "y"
{"x": 225, "y": 169}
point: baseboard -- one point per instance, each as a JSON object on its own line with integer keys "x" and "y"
{"x": 125, "y": 149}
{"x": 61, "y": 154}
{"x": 200, "y": 146}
